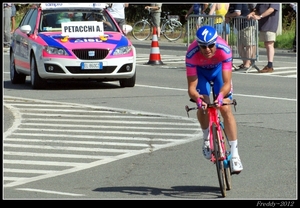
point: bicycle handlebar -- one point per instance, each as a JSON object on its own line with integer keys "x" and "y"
{"x": 211, "y": 105}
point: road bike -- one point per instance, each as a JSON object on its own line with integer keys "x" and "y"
{"x": 219, "y": 143}
{"x": 171, "y": 27}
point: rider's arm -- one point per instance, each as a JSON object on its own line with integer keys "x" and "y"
{"x": 226, "y": 88}
{"x": 226, "y": 57}
{"x": 192, "y": 86}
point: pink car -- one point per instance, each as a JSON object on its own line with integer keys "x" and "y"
{"x": 61, "y": 41}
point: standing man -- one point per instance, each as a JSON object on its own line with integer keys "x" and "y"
{"x": 155, "y": 10}
{"x": 117, "y": 10}
{"x": 268, "y": 19}
{"x": 7, "y": 24}
{"x": 247, "y": 33}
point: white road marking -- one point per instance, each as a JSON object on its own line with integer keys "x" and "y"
{"x": 49, "y": 192}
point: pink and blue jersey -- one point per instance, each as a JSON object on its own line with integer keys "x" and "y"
{"x": 208, "y": 69}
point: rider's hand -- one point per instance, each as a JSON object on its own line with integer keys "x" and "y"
{"x": 219, "y": 99}
{"x": 201, "y": 104}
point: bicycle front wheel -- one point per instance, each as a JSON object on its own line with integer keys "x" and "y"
{"x": 219, "y": 163}
{"x": 141, "y": 30}
{"x": 172, "y": 30}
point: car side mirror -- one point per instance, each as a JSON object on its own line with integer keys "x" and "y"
{"x": 25, "y": 29}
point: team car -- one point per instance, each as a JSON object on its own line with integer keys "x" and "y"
{"x": 71, "y": 41}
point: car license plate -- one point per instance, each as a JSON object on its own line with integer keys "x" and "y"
{"x": 98, "y": 65}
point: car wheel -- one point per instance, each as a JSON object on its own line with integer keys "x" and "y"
{"x": 36, "y": 81}
{"x": 128, "y": 82}
{"x": 15, "y": 77}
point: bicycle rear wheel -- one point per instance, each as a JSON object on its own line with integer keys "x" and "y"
{"x": 172, "y": 30}
{"x": 219, "y": 163}
{"x": 226, "y": 162}
{"x": 141, "y": 30}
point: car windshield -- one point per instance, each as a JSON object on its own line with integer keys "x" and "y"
{"x": 51, "y": 20}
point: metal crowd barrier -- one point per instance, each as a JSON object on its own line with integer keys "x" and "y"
{"x": 242, "y": 37}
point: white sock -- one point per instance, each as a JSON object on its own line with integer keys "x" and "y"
{"x": 233, "y": 148}
{"x": 205, "y": 133}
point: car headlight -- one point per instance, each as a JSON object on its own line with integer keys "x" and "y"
{"x": 122, "y": 50}
{"x": 54, "y": 50}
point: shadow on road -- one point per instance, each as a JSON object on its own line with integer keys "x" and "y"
{"x": 183, "y": 192}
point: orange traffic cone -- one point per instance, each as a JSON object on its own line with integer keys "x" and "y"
{"x": 154, "y": 54}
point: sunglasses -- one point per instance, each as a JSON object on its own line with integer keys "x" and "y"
{"x": 209, "y": 46}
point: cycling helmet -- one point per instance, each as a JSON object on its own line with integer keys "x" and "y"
{"x": 206, "y": 35}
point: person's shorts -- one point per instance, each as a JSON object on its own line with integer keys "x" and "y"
{"x": 203, "y": 86}
{"x": 247, "y": 36}
{"x": 267, "y": 36}
{"x": 156, "y": 18}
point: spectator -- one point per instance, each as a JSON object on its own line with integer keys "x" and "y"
{"x": 155, "y": 10}
{"x": 220, "y": 9}
{"x": 294, "y": 6}
{"x": 247, "y": 36}
{"x": 13, "y": 20}
{"x": 117, "y": 10}
{"x": 268, "y": 19}
{"x": 7, "y": 24}
{"x": 197, "y": 9}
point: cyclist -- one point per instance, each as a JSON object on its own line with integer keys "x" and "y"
{"x": 209, "y": 58}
